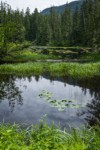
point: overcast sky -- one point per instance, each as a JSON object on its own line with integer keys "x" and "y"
{"x": 32, "y": 4}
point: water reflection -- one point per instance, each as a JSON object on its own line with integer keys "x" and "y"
{"x": 93, "y": 116}
{"x": 9, "y": 91}
{"x": 92, "y": 111}
{"x": 93, "y": 107}
{"x": 21, "y": 96}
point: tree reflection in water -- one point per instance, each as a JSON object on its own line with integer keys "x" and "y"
{"x": 9, "y": 91}
{"x": 93, "y": 108}
{"x": 93, "y": 117}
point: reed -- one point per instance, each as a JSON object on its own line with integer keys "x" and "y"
{"x": 75, "y": 70}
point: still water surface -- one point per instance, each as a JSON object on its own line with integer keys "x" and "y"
{"x": 20, "y": 103}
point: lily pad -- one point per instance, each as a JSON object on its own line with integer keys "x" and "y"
{"x": 61, "y": 105}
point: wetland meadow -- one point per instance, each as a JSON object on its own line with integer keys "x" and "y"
{"x": 50, "y": 105}
{"x": 50, "y": 76}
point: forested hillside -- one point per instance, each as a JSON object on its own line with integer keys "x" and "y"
{"x": 81, "y": 28}
{"x": 60, "y": 9}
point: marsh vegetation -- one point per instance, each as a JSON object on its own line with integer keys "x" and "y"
{"x": 75, "y": 70}
{"x": 50, "y": 66}
{"x": 42, "y": 136}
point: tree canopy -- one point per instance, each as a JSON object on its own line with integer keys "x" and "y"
{"x": 78, "y": 28}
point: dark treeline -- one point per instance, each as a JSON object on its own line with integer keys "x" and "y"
{"x": 81, "y": 28}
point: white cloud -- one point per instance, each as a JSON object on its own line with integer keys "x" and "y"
{"x": 32, "y": 4}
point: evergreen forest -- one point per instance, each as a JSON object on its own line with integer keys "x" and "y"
{"x": 50, "y": 77}
{"x": 78, "y": 28}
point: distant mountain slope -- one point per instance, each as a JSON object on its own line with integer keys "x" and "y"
{"x": 60, "y": 9}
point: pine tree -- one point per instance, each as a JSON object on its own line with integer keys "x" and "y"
{"x": 27, "y": 24}
{"x": 96, "y": 23}
{"x": 75, "y": 35}
{"x": 66, "y": 25}
{"x": 55, "y": 27}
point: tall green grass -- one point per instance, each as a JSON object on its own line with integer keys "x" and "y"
{"x": 21, "y": 69}
{"x": 24, "y": 56}
{"x": 75, "y": 70}
{"x": 44, "y": 137}
{"x": 92, "y": 56}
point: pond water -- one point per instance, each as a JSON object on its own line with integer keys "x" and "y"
{"x": 20, "y": 101}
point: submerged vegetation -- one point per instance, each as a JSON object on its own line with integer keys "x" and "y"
{"x": 42, "y": 136}
{"x": 75, "y": 70}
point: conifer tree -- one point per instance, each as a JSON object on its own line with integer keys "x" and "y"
{"x": 66, "y": 25}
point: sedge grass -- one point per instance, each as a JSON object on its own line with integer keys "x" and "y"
{"x": 75, "y": 70}
{"x": 44, "y": 137}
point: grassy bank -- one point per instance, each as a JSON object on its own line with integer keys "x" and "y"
{"x": 43, "y": 137}
{"x": 75, "y": 70}
{"x": 95, "y": 56}
{"x": 26, "y": 52}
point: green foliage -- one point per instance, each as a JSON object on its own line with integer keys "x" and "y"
{"x": 80, "y": 27}
{"x": 42, "y": 136}
{"x": 91, "y": 56}
{"x": 75, "y": 70}
{"x": 25, "y": 52}
{"x": 16, "y": 54}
